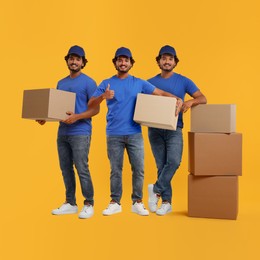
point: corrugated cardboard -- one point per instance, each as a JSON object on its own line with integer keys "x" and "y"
{"x": 156, "y": 111}
{"x": 47, "y": 104}
{"x": 216, "y": 118}
{"x": 213, "y": 196}
{"x": 215, "y": 154}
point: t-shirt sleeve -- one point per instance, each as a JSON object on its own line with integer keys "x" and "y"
{"x": 100, "y": 89}
{"x": 147, "y": 88}
{"x": 191, "y": 87}
{"x": 92, "y": 86}
{"x": 58, "y": 85}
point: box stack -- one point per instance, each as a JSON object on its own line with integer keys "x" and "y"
{"x": 215, "y": 162}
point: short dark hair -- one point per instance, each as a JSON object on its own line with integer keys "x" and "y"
{"x": 175, "y": 58}
{"x": 85, "y": 61}
{"x": 115, "y": 59}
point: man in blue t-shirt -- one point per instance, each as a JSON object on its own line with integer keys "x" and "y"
{"x": 74, "y": 135}
{"x": 167, "y": 145}
{"x": 120, "y": 92}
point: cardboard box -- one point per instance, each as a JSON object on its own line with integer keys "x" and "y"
{"x": 47, "y": 104}
{"x": 215, "y": 154}
{"x": 156, "y": 111}
{"x": 213, "y": 118}
{"x": 213, "y": 196}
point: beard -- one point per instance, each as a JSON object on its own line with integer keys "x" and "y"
{"x": 168, "y": 68}
{"x": 125, "y": 70}
{"x": 74, "y": 69}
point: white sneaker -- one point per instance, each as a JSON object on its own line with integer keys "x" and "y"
{"x": 87, "y": 211}
{"x": 112, "y": 208}
{"x": 65, "y": 208}
{"x": 153, "y": 199}
{"x": 139, "y": 209}
{"x": 164, "y": 209}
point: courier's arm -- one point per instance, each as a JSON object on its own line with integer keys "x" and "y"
{"x": 91, "y": 111}
{"x": 159, "y": 92}
{"x": 198, "y": 98}
{"x": 93, "y": 107}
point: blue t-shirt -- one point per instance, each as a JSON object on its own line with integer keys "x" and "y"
{"x": 177, "y": 85}
{"x": 121, "y": 107}
{"x": 84, "y": 87}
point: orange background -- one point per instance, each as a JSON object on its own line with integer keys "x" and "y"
{"x": 217, "y": 43}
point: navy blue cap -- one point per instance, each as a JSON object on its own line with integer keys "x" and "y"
{"x": 76, "y": 50}
{"x": 123, "y": 52}
{"x": 167, "y": 49}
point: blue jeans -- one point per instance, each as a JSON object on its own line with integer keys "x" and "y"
{"x": 167, "y": 147}
{"x": 74, "y": 150}
{"x": 134, "y": 146}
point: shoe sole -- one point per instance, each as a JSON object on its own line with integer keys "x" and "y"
{"x": 65, "y": 213}
{"x": 160, "y": 214}
{"x": 109, "y": 214}
{"x": 135, "y": 211}
{"x": 151, "y": 207}
{"x": 150, "y": 203}
{"x": 83, "y": 217}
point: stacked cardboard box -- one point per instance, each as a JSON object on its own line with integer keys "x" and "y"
{"x": 215, "y": 162}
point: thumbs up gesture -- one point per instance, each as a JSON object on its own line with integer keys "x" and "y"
{"x": 108, "y": 94}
